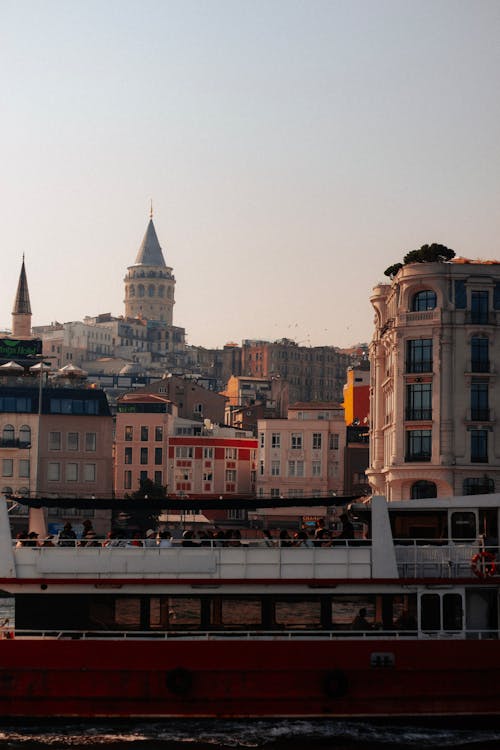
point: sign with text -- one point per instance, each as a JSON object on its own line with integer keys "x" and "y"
{"x": 12, "y": 348}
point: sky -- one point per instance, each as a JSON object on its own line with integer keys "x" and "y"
{"x": 293, "y": 150}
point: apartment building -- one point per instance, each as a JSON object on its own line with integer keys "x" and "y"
{"x": 185, "y": 456}
{"x": 303, "y": 455}
{"x": 434, "y": 363}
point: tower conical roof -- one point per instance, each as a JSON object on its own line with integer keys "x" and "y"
{"x": 22, "y": 304}
{"x": 150, "y": 252}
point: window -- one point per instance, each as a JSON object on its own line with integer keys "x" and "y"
{"x": 159, "y": 478}
{"x": 479, "y": 307}
{"x": 7, "y": 467}
{"x": 316, "y": 468}
{"x": 91, "y": 441}
{"x": 276, "y": 440}
{"x": 208, "y": 476}
{"x": 184, "y": 451}
{"x": 423, "y": 489}
{"x": 300, "y": 468}
{"x": 480, "y": 357}
{"x": 441, "y": 612}
{"x": 296, "y": 441}
{"x": 261, "y": 468}
{"x": 231, "y": 453}
{"x": 291, "y": 468}
{"x": 478, "y": 486}
{"x": 128, "y": 455}
{"x": 275, "y": 492}
{"x": 275, "y": 468}
{"x": 419, "y": 401}
{"x": 316, "y": 441}
{"x": 208, "y": 453}
{"x": 425, "y": 300}
{"x": 419, "y": 445}
{"x": 24, "y": 467}
{"x": 24, "y": 435}
{"x": 479, "y": 400}
{"x": 72, "y": 441}
{"x": 127, "y": 479}
{"x": 89, "y": 472}
{"x": 143, "y": 476}
{"x": 333, "y": 442}
{"x": 419, "y": 355}
{"x": 479, "y": 446}
{"x": 53, "y": 472}
{"x": 71, "y": 472}
{"x": 261, "y": 439}
{"x": 144, "y": 455}
{"x": 230, "y": 475}
{"x": 158, "y": 456}
{"x": 158, "y": 434}
{"x": 8, "y": 435}
{"x": 54, "y": 441}
{"x": 129, "y": 433}
{"x": 144, "y": 433}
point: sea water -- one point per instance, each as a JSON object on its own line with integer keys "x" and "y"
{"x": 269, "y": 735}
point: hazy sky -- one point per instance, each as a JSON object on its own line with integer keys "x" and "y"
{"x": 293, "y": 150}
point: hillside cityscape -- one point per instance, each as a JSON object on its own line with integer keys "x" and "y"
{"x": 114, "y": 408}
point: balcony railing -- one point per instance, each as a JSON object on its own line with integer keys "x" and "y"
{"x": 417, "y": 415}
{"x": 15, "y": 443}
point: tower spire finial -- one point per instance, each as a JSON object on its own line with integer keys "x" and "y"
{"x": 151, "y": 208}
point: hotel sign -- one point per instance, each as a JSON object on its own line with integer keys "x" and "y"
{"x": 14, "y": 348}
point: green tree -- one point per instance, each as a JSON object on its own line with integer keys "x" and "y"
{"x": 143, "y": 519}
{"x": 393, "y": 270}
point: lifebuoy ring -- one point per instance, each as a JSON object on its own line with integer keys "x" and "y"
{"x": 483, "y": 564}
{"x": 335, "y": 683}
{"x": 179, "y": 681}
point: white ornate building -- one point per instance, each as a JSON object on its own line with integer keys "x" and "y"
{"x": 435, "y": 362}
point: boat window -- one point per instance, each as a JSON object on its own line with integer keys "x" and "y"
{"x": 463, "y": 526}
{"x": 241, "y": 612}
{"x": 430, "y": 612}
{"x": 441, "y": 612}
{"x": 298, "y": 614}
{"x": 128, "y": 612}
{"x": 184, "y": 611}
{"x": 346, "y": 608}
{"x": 452, "y": 612}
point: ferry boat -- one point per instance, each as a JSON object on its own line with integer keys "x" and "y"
{"x": 403, "y": 622}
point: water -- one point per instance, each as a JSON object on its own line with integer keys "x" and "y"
{"x": 269, "y": 735}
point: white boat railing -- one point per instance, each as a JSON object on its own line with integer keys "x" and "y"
{"x": 249, "y": 634}
{"x": 420, "y": 558}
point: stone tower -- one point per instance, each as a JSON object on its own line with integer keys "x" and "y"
{"x": 21, "y": 314}
{"x": 150, "y": 283}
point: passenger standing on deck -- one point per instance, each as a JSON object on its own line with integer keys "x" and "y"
{"x": 360, "y": 622}
{"x": 67, "y": 536}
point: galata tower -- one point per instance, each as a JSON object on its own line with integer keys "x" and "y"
{"x": 150, "y": 283}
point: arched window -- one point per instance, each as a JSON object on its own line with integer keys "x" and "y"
{"x": 131, "y": 292}
{"x": 151, "y": 290}
{"x": 6, "y": 490}
{"x": 25, "y": 435}
{"x": 140, "y": 290}
{"x": 425, "y": 300}
{"x": 161, "y": 291}
{"x": 23, "y": 491}
{"x": 422, "y": 489}
{"x": 169, "y": 292}
{"x": 8, "y": 434}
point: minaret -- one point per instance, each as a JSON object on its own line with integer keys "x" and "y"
{"x": 21, "y": 314}
{"x": 149, "y": 283}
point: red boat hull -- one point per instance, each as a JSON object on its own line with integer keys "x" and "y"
{"x": 240, "y": 679}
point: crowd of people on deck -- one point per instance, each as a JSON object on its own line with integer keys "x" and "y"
{"x": 317, "y": 536}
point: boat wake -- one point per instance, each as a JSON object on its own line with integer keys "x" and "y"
{"x": 272, "y": 735}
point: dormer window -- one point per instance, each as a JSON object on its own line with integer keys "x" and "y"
{"x": 425, "y": 300}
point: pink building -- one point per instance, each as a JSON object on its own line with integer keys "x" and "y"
{"x": 184, "y": 456}
{"x": 302, "y": 456}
